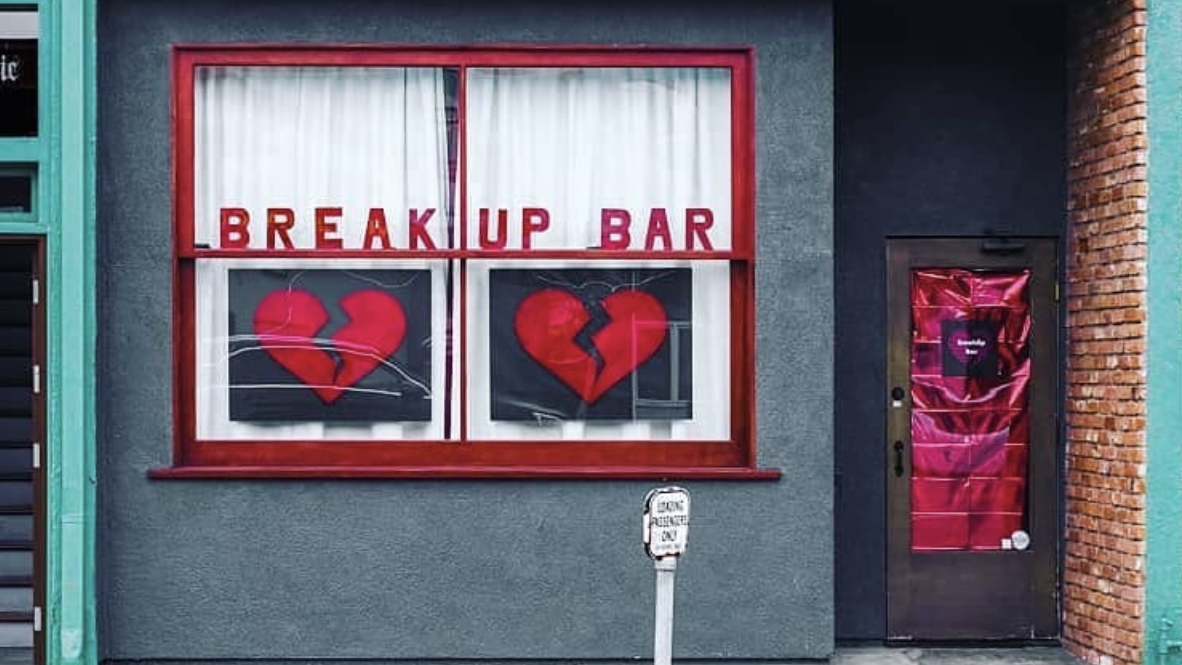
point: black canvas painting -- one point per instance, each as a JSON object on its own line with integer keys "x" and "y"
{"x": 591, "y": 344}
{"x": 969, "y": 348}
{"x": 330, "y": 345}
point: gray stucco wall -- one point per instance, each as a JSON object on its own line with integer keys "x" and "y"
{"x": 459, "y": 569}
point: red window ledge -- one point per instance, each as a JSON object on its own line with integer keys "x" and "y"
{"x": 475, "y": 472}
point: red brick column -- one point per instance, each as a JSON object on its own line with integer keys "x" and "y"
{"x": 1103, "y": 577}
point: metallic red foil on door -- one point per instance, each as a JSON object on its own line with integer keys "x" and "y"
{"x": 970, "y": 375}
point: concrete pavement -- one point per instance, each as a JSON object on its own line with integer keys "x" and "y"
{"x": 881, "y": 655}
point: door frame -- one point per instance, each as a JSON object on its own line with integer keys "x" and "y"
{"x": 1044, "y": 475}
{"x": 62, "y": 160}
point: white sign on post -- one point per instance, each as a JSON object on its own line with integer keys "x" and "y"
{"x": 666, "y": 522}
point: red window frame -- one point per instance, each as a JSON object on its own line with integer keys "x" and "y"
{"x": 733, "y": 458}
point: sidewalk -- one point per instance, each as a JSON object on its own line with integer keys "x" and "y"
{"x": 880, "y": 655}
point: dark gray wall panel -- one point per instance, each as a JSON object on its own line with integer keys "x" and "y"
{"x": 433, "y": 569}
{"x": 949, "y": 121}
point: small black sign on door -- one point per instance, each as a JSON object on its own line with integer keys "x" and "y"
{"x": 969, "y": 348}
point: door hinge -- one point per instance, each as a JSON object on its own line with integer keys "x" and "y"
{"x": 37, "y": 618}
{"x": 36, "y": 455}
{"x": 36, "y": 291}
{"x": 1056, "y": 291}
{"x": 36, "y": 379}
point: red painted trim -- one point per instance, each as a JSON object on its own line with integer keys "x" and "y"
{"x": 424, "y": 254}
{"x": 183, "y": 150}
{"x": 184, "y": 355}
{"x": 745, "y": 431}
{"x": 183, "y": 214}
{"x": 462, "y": 458}
{"x": 463, "y": 328}
{"x": 743, "y": 193}
{"x": 362, "y": 55}
{"x": 605, "y": 254}
{"x": 738, "y": 355}
{"x": 750, "y": 435}
{"x": 462, "y": 153}
{"x": 482, "y": 472}
{"x": 184, "y": 327}
{"x": 552, "y": 254}
{"x": 552, "y": 453}
{"x": 743, "y": 157}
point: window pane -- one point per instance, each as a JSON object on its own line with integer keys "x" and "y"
{"x": 599, "y": 350}
{"x": 16, "y": 193}
{"x": 18, "y": 72}
{"x": 321, "y": 349}
{"x": 610, "y": 158}
{"x": 321, "y": 158}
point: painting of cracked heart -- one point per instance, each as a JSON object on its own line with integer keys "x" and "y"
{"x": 330, "y": 345}
{"x": 591, "y": 344}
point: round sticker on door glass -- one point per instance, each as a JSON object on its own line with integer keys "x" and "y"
{"x": 1021, "y": 539}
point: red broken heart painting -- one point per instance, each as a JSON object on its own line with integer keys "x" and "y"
{"x": 329, "y": 345}
{"x": 590, "y": 344}
{"x": 548, "y": 323}
{"x": 288, "y": 321}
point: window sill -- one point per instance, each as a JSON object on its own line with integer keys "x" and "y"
{"x": 465, "y": 472}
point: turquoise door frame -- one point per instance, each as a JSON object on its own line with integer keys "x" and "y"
{"x": 62, "y": 157}
{"x": 1163, "y": 476}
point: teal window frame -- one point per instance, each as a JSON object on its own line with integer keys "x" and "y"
{"x": 25, "y": 216}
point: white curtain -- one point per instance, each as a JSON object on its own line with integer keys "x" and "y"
{"x": 576, "y": 141}
{"x": 307, "y": 137}
{"x": 301, "y": 138}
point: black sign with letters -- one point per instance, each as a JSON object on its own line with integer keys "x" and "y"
{"x": 18, "y": 87}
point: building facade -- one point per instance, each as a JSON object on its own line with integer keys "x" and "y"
{"x": 364, "y": 328}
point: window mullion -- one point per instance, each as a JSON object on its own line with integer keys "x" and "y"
{"x": 462, "y": 203}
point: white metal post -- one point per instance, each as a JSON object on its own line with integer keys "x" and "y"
{"x": 663, "y": 630}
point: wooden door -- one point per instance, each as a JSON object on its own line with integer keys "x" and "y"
{"x": 972, "y": 481}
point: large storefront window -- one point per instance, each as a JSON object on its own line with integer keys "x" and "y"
{"x": 464, "y": 262}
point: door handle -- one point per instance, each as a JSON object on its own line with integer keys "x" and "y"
{"x": 898, "y": 459}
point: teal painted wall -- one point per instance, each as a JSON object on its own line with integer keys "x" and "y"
{"x": 1163, "y": 485}
{"x": 63, "y": 157}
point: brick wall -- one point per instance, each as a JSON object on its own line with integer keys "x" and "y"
{"x": 1103, "y": 577}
